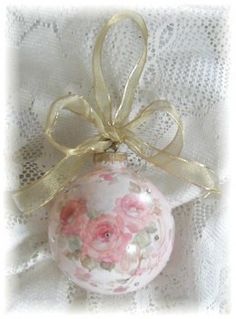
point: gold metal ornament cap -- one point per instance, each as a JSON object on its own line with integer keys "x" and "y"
{"x": 109, "y": 157}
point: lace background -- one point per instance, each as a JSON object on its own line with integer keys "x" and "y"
{"x": 49, "y": 55}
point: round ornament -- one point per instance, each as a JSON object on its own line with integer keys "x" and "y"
{"x": 111, "y": 231}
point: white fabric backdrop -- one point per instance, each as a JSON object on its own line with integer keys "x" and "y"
{"x": 50, "y": 55}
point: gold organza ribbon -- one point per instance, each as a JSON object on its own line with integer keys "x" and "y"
{"x": 112, "y": 130}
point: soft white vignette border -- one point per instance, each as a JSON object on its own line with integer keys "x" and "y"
{"x": 230, "y": 149}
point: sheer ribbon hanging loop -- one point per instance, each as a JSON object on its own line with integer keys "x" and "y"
{"x": 111, "y": 131}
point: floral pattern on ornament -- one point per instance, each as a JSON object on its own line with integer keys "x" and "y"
{"x": 82, "y": 274}
{"x": 107, "y": 176}
{"x": 124, "y": 239}
{"x": 74, "y": 217}
{"x": 105, "y": 238}
{"x": 135, "y": 213}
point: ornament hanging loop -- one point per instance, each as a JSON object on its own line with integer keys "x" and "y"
{"x": 102, "y": 95}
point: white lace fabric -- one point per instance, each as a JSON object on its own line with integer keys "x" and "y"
{"x": 50, "y": 55}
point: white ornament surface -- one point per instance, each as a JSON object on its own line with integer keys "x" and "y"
{"x": 49, "y": 54}
{"x": 111, "y": 231}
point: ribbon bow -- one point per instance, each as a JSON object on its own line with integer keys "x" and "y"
{"x": 112, "y": 130}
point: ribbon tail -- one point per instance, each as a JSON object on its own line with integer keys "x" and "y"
{"x": 38, "y": 194}
{"x": 190, "y": 171}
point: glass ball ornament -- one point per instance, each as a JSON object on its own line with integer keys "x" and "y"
{"x": 111, "y": 231}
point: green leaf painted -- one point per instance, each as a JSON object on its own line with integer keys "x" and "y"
{"x": 93, "y": 214}
{"x": 107, "y": 266}
{"x": 151, "y": 228}
{"x": 142, "y": 239}
{"x": 74, "y": 244}
{"x": 73, "y": 255}
{"x": 133, "y": 187}
{"x": 123, "y": 281}
{"x": 88, "y": 263}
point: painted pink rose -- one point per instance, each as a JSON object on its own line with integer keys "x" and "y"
{"x": 134, "y": 211}
{"x": 107, "y": 176}
{"x": 72, "y": 207}
{"x": 120, "y": 289}
{"x": 105, "y": 239}
{"x": 73, "y": 217}
{"x": 81, "y": 274}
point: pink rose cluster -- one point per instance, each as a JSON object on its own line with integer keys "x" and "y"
{"x": 105, "y": 237}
